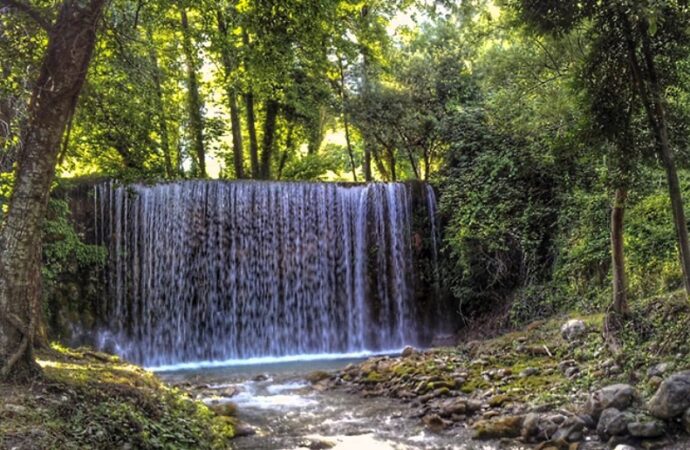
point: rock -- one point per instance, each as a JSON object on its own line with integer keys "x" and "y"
{"x": 408, "y": 351}
{"x": 572, "y": 372}
{"x": 230, "y": 391}
{"x": 435, "y": 423}
{"x": 613, "y": 423}
{"x": 619, "y": 396}
{"x": 672, "y": 398}
{"x": 454, "y": 406}
{"x": 313, "y": 444}
{"x": 566, "y": 364}
{"x": 503, "y": 373}
{"x": 501, "y": 427}
{"x": 530, "y": 425}
{"x": 317, "y": 376}
{"x": 658, "y": 370}
{"x": 570, "y": 430}
{"x": 243, "y": 429}
{"x": 499, "y": 400}
{"x": 473, "y": 406}
{"x": 686, "y": 420}
{"x": 226, "y": 409}
{"x": 624, "y": 447}
{"x": 573, "y": 329}
{"x": 260, "y": 377}
{"x": 647, "y": 429}
{"x": 490, "y": 414}
{"x": 528, "y": 372}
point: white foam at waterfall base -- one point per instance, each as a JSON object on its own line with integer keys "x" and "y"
{"x": 263, "y": 360}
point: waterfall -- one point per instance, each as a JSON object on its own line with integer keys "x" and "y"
{"x": 215, "y": 271}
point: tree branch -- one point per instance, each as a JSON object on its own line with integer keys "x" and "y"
{"x": 30, "y": 11}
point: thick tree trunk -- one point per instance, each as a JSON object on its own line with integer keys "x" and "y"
{"x": 235, "y": 122}
{"x": 196, "y": 118}
{"x": 160, "y": 104}
{"x": 272, "y": 108}
{"x": 620, "y": 286}
{"x": 70, "y": 46}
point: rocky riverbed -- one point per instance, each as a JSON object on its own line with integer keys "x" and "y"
{"x": 297, "y": 406}
{"x": 553, "y": 385}
{"x": 556, "y": 384}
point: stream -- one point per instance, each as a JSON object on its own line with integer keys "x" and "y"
{"x": 287, "y": 412}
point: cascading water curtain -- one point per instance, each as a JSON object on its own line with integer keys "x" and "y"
{"x": 214, "y": 271}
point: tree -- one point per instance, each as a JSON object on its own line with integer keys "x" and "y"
{"x": 195, "y": 104}
{"x": 71, "y": 40}
{"x": 641, "y": 34}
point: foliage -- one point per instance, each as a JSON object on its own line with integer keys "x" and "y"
{"x": 63, "y": 248}
{"x": 501, "y": 204}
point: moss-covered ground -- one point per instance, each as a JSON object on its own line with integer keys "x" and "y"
{"x": 88, "y": 400}
{"x": 535, "y": 366}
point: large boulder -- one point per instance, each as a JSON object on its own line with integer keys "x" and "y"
{"x": 573, "y": 329}
{"x": 613, "y": 422}
{"x": 672, "y": 398}
{"x": 619, "y": 396}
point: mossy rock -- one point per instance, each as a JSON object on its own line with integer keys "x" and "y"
{"x": 373, "y": 378}
{"x": 501, "y": 427}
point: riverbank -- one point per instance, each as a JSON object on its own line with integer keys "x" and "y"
{"x": 543, "y": 385}
{"x": 93, "y": 400}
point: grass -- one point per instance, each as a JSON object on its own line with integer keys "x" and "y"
{"x": 96, "y": 401}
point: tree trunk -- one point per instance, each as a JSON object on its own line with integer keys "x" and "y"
{"x": 196, "y": 119}
{"x": 251, "y": 118}
{"x": 289, "y": 149}
{"x": 392, "y": 163}
{"x": 70, "y": 46}
{"x": 251, "y": 128}
{"x": 380, "y": 166}
{"x": 160, "y": 105}
{"x": 272, "y": 108}
{"x": 652, "y": 101}
{"x": 235, "y": 122}
{"x": 346, "y": 121}
{"x": 367, "y": 145}
{"x": 620, "y": 286}
{"x": 664, "y": 146}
